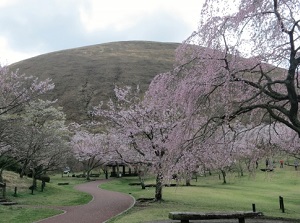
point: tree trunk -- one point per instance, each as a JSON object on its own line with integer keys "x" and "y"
{"x": 188, "y": 181}
{"x": 224, "y": 176}
{"x": 106, "y": 174}
{"x": 1, "y": 176}
{"x": 141, "y": 179}
{"x": 23, "y": 170}
{"x": 34, "y": 180}
{"x": 158, "y": 188}
{"x": 142, "y": 183}
{"x": 118, "y": 171}
{"x": 88, "y": 175}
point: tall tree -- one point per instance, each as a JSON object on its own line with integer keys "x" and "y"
{"x": 242, "y": 63}
{"x": 92, "y": 149}
{"x": 40, "y": 138}
{"x": 16, "y": 90}
{"x": 146, "y": 129}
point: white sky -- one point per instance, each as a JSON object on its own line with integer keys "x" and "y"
{"x": 34, "y": 27}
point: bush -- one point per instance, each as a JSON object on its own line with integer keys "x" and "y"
{"x": 44, "y": 178}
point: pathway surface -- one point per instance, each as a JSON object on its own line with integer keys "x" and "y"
{"x": 104, "y": 205}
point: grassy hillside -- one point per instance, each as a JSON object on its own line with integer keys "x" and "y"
{"x": 85, "y": 76}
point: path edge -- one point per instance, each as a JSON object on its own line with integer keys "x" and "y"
{"x": 132, "y": 205}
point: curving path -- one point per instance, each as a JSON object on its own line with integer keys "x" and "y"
{"x": 104, "y": 205}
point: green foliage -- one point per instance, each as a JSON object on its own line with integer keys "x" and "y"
{"x": 13, "y": 165}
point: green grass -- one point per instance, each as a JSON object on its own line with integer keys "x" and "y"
{"x": 38, "y": 206}
{"x": 25, "y": 214}
{"x": 53, "y": 194}
{"x": 209, "y": 194}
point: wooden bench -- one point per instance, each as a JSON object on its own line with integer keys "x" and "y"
{"x": 184, "y": 217}
{"x": 63, "y": 183}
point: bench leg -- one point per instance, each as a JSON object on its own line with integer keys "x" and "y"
{"x": 241, "y": 220}
{"x": 184, "y": 221}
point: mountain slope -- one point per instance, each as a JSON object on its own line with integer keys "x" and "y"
{"x": 87, "y": 75}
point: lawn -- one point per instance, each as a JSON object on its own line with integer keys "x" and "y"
{"x": 210, "y": 194}
{"x": 207, "y": 194}
{"x": 36, "y": 206}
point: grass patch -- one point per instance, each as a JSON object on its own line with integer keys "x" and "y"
{"x": 25, "y": 214}
{"x": 209, "y": 194}
{"x": 53, "y": 195}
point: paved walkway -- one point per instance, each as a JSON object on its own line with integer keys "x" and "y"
{"x": 104, "y": 205}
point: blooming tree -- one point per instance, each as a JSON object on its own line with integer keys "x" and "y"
{"x": 242, "y": 63}
{"x": 285, "y": 139}
{"x": 145, "y": 129}
{"x": 39, "y": 138}
{"x": 92, "y": 149}
{"x": 16, "y": 90}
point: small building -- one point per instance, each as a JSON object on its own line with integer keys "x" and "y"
{"x": 120, "y": 168}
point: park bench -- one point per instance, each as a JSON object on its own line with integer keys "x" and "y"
{"x": 185, "y": 217}
{"x": 267, "y": 170}
{"x": 63, "y": 183}
{"x": 8, "y": 203}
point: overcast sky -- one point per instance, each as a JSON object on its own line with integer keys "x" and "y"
{"x": 34, "y": 27}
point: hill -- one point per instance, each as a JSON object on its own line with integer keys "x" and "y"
{"x": 87, "y": 75}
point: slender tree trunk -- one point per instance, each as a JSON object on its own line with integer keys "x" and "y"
{"x": 142, "y": 181}
{"x": 23, "y": 170}
{"x": 118, "y": 171}
{"x": 224, "y": 176}
{"x": 158, "y": 188}
{"x": 3, "y": 190}
{"x": 188, "y": 180}
{"x": 1, "y": 175}
{"x": 88, "y": 174}
{"x": 106, "y": 173}
{"x": 34, "y": 181}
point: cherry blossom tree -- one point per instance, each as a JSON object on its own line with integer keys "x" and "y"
{"x": 145, "y": 129}
{"x": 284, "y": 139}
{"x": 92, "y": 149}
{"x": 16, "y": 90}
{"x": 7, "y": 153}
{"x": 40, "y": 138}
{"x": 242, "y": 63}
